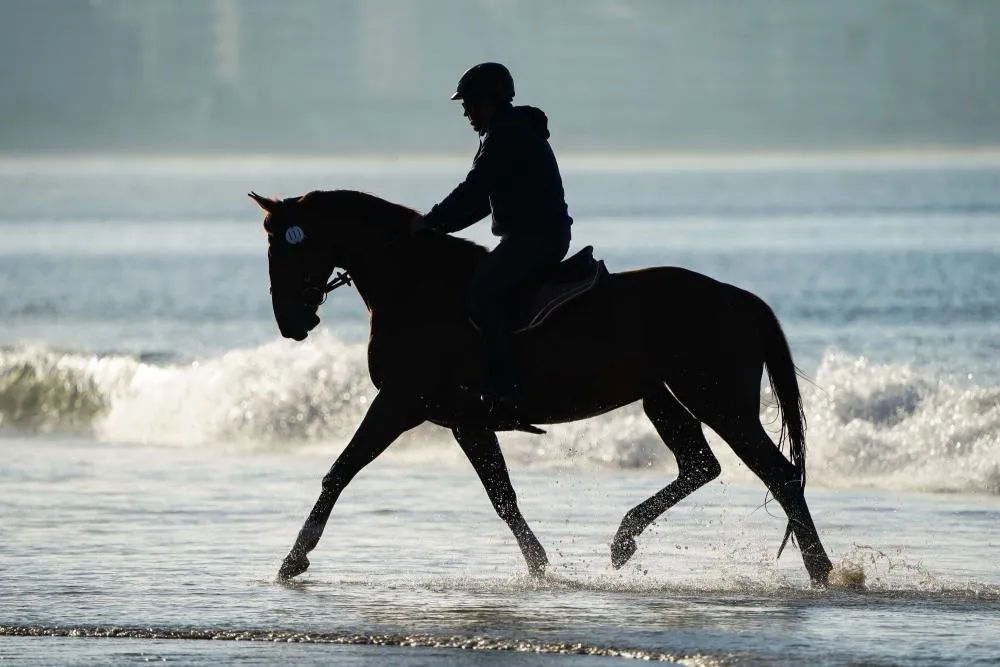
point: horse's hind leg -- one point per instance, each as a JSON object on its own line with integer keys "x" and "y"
{"x": 483, "y": 450}
{"x": 696, "y": 466}
{"x": 756, "y": 449}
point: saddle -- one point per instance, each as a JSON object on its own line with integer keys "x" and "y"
{"x": 530, "y": 305}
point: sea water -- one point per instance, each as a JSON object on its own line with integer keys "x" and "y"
{"x": 162, "y": 445}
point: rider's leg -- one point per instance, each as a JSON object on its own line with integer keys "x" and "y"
{"x": 484, "y": 301}
{"x": 514, "y": 260}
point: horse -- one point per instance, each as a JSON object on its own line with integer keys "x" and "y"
{"x": 690, "y": 348}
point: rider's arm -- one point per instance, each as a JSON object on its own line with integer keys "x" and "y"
{"x": 470, "y": 201}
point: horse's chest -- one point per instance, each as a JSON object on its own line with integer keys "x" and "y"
{"x": 387, "y": 355}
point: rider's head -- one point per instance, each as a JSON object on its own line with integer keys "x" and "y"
{"x": 483, "y": 89}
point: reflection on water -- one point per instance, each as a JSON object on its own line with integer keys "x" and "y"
{"x": 187, "y": 541}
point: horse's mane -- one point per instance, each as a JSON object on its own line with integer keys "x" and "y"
{"x": 360, "y": 204}
{"x": 440, "y": 251}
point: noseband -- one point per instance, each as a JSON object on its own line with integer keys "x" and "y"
{"x": 316, "y": 296}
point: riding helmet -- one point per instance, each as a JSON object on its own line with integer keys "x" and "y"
{"x": 485, "y": 80}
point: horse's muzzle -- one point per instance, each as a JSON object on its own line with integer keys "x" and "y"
{"x": 295, "y": 321}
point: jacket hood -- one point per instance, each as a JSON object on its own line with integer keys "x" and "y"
{"x": 531, "y": 117}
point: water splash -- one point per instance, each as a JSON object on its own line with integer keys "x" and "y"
{"x": 870, "y": 425}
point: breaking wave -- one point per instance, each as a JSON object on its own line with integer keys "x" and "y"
{"x": 870, "y": 425}
{"x": 887, "y": 425}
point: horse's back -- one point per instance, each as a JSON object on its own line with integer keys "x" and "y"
{"x": 682, "y": 310}
{"x": 674, "y": 286}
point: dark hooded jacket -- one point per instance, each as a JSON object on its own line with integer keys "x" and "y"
{"x": 515, "y": 175}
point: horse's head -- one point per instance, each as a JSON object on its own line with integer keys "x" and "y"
{"x": 310, "y": 236}
{"x": 298, "y": 262}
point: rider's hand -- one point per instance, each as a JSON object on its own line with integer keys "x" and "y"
{"x": 418, "y": 224}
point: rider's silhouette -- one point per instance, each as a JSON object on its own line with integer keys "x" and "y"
{"x": 515, "y": 176}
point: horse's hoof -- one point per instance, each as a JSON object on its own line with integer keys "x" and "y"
{"x": 822, "y": 580}
{"x": 534, "y": 556}
{"x": 292, "y": 566}
{"x": 537, "y": 568}
{"x": 819, "y": 568}
{"x": 622, "y": 549}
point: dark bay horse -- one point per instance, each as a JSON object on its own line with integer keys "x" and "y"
{"x": 690, "y": 348}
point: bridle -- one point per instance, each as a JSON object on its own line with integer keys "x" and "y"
{"x": 315, "y": 296}
{"x": 312, "y": 295}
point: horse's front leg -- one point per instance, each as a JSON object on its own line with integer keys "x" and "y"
{"x": 483, "y": 450}
{"x": 389, "y": 416}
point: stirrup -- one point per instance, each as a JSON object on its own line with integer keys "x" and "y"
{"x": 503, "y": 406}
{"x": 503, "y": 400}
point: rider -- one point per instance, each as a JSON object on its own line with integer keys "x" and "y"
{"x": 514, "y": 175}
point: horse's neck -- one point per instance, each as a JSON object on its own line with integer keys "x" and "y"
{"x": 381, "y": 281}
{"x": 394, "y": 281}
{"x": 372, "y": 286}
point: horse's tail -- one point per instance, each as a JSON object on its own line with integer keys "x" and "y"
{"x": 782, "y": 373}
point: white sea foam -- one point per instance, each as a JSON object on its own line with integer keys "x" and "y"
{"x": 870, "y": 425}
{"x": 889, "y": 426}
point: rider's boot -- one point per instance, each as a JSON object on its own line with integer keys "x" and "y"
{"x": 501, "y": 390}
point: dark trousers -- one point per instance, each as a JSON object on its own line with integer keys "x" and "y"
{"x": 516, "y": 259}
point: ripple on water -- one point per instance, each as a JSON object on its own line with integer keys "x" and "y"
{"x": 470, "y": 643}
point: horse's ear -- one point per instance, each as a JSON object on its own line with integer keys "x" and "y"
{"x": 265, "y": 203}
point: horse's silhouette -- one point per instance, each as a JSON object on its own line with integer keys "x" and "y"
{"x": 692, "y": 349}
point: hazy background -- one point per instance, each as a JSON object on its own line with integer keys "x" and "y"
{"x": 154, "y": 425}
{"x": 375, "y": 75}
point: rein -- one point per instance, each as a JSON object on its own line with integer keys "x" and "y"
{"x": 316, "y": 296}
{"x": 343, "y": 277}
